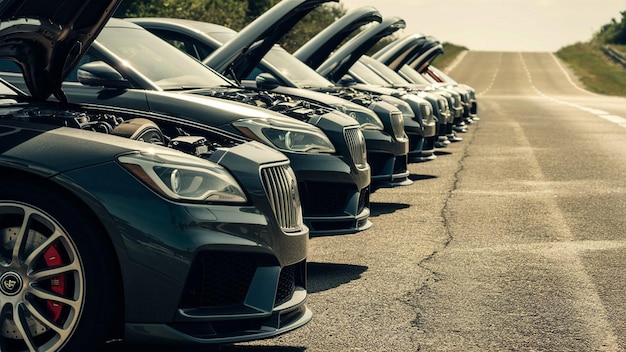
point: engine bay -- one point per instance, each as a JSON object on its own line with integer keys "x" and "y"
{"x": 146, "y": 127}
{"x": 296, "y": 108}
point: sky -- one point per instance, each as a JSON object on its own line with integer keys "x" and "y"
{"x": 501, "y": 25}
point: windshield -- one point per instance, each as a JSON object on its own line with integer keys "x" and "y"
{"x": 166, "y": 66}
{"x": 384, "y": 70}
{"x": 295, "y": 70}
{"x": 443, "y": 77}
{"x": 414, "y": 76}
{"x": 366, "y": 75}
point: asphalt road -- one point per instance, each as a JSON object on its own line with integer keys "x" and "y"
{"x": 511, "y": 240}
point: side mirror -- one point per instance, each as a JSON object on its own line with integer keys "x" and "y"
{"x": 99, "y": 73}
{"x": 347, "y": 81}
{"x": 266, "y": 81}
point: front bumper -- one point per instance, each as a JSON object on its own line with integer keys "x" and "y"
{"x": 198, "y": 329}
{"x": 387, "y": 158}
{"x": 335, "y": 197}
{"x": 201, "y": 273}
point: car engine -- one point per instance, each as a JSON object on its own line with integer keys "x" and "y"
{"x": 289, "y": 106}
{"x": 156, "y": 130}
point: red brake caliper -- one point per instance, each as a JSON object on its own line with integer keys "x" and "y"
{"x": 57, "y": 283}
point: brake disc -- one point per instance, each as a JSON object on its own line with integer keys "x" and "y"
{"x": 8, "y": 236}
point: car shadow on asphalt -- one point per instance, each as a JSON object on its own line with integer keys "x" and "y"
{"x": 416, "y": 177}
{"x": 326, "y": 276}
{"x": 260, "y": 349}
{"x": 216, "y": 348}
{"x": 380, "y": 208}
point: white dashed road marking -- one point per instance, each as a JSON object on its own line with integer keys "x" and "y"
{"x": 618, "y": 120}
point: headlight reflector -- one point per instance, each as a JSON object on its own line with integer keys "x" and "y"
{"x": 402, "y": 105}
{"x": 183, "y": 178}
{"x": 365, "y": 117}
{"x": 287, "y": 136}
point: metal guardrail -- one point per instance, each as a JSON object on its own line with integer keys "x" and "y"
{"x": 615, "y": 55}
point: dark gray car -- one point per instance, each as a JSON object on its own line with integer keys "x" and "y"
{"x": 252, "y": 54}
{"x": 127, "y": 66}
{"x": 123, "y": 224}
{"x": 328, "y": 56}
{"x": 412, "y": 56}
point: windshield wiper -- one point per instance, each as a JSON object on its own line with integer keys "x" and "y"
{"x": 181, "y": 88}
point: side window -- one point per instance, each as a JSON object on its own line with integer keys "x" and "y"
{"x": 258, "y": 69}
{"x": 255, "y": 72}
{"x": 202, "y": 50}
{"x": 7, "y": 65}
{"x": 73, "y": 75}
{"x": 185, "y": 44}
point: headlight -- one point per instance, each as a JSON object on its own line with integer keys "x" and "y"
{"x": 365, "y": 117}
{"x": 184, "y": 178}
{"x": 286, "y": 135}
{"x": 403, "y": 106}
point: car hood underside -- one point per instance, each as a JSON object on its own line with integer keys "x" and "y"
{"x": 47, "y": 38}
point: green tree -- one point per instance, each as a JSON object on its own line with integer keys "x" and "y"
{"x": 312, "y": 24}
{"x": 614, "y": 32}
{"x": 230, "y": 13}
{"x": 234, "y": 14}
{"x": 257, "y": 7}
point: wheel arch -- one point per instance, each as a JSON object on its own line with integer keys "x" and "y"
{"x": 88, "y": 207}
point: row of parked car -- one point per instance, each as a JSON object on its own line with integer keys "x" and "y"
{"x": 161, "y": 177}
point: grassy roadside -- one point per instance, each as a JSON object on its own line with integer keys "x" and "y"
{"x": 450, "y": 52}
{"x": 595, "y": 70}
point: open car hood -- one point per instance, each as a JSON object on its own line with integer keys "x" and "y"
{"x": 318, "y": 48}
{"x": 242, "y": 53}
{"x": 340, "y": 62}
{"x": 46, "y": 38}
{"x": 417, "y": 51}
{"x": 404, "y": 51}
{"x": 424, "y": 55}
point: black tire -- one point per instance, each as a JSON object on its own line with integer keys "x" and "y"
{"x": 64, "y": 242}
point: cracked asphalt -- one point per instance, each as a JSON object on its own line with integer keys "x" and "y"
{"x": 511, "y": 240}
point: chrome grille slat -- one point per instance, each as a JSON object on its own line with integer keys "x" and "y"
{"x": 283, "y": 206}
{"x": 397, "y": 124}
{"x": 356, "y": 145}
{"x": 281, "y": 188}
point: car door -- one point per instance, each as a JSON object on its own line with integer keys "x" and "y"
{"x": 123, "y": 97}
{"x": 80, "y": 93}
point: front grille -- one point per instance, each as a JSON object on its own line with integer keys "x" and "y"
{"x": 282, "y": 191}
{"x": 364, "y": 199}
{"x": 286, "y": 285}
{"x": 427, "y": 113}
{"x": 325, "y": 198}
{"x": 356, "y": 145}
{"x": 429, "y": 143}
{"x": 455, "y": 101}
{"x": 400, "y": 165}
{"x": 444, "y": 110}
{"x": 218, "y": 279}
{"x": 397, "y": 124}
